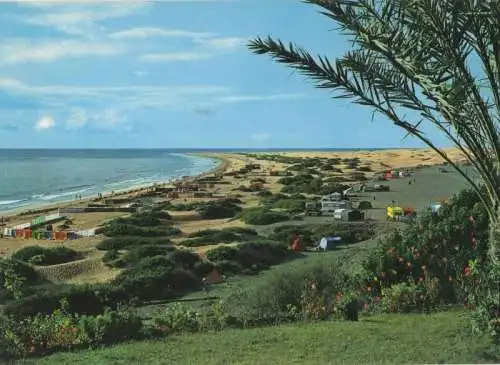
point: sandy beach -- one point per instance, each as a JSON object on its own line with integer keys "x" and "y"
{"x": 189, "y": 221}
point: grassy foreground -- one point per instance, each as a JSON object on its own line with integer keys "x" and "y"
{"x": 387, "y": 339}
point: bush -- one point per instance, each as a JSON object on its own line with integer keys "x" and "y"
{"x": 263, "y": 217}
{"x": 124, "y": 242}
{"x": 136, "y": 254}
{"x": 248, "y": 257}
{"x": 41, "y": 256}
{"x": 111, "y": 258}
{"x": 306, "y": 292}
{"x": 120, "y": 229}
{"x": 212, "y": 236}
{"x": 436, "y": 247}
{"x": 284, "y": 234}
{"x": 145, "y": 219}
{"x": 82, "y": 299}
{"x": 219, "y": 209}
{"x": 63, "y": 331}
{"x": 156, "y": 277}
{"x": 291, "y": 205}
{"x": 16, "y": 277}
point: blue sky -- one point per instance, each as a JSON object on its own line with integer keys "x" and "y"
{"x": 170, "y": 74}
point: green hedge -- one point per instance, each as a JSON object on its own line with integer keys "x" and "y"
{"x": 124, "y": 242}
{"x": 42, "y": 256}
{"x": 263, "y": 217}
{"x": 211, "y": 236}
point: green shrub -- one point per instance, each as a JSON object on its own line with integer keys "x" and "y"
{"x": 291, "y": 205}
{"x": 284, "y": 234}
{"x": 155, "y": 278}
{"x": 124, "y": 242}
{"x": 437, "y": 246}
{"x": 82, "y": 299}
{"x": 263, "y": 217}
{"x": 304, "y": 292}
{"x": 136, "y": 254}
{"x": 42, "y": 256}
{"x": 250, "y": 257}
{"x": 178, "y": 318}
{"x": 112, "y": 258}
{"x": 212, "y": 236}
{"x": 408, "y": 297}
{"x": 219, "y": 209}
{"x": 120, "y": 229}
{"x": 63, "y": 331}
{"x": 16, "y": 277}
{"x": 145, "y": 219}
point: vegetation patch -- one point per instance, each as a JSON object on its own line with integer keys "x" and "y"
{"x": 213, "y": 236}
{"x": 124, "y": 242}
{"x": 42, "y": 256}
{"x": 262, "y": 216}
{"x": 249, "y": 257}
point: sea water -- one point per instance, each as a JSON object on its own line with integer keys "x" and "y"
{"x": 40, "y": 177}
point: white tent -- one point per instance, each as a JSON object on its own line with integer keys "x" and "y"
{"x": 329, "y": 243}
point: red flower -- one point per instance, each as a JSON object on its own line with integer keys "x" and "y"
{"x": 377, "y": 298}
{"x": 467, "y": 271}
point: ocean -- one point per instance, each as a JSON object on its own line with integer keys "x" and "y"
{"x": 33, "y": 178}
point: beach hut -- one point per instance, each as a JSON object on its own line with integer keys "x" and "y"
{"x": 329, "y": 243}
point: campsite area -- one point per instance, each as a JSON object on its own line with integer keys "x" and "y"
{"x": 244, "y": 256}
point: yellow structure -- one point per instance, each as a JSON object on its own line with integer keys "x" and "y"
{"x": 393, "y": 212}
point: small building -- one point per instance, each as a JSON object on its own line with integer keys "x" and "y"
{"x": 329, "y": 243}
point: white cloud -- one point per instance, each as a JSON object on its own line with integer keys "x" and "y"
{"x": 129, "y": 97}
{"x": 174, "y": 56}
{"x": 223, "y": 43}
{"x": 246, "y": 98}
{"x": 147, "y": 32}
{"x": 19, "y": 51}
{"x": 261, "y": 137}
{"x": 44, "y": 123}
{"x": 82, "y": 17}
{"x": 140, "y": 73}
{"x": 109, "y": 118}
{"x": 77, "y": 119}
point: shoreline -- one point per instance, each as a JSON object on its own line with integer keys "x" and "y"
{"x": 221, "y": 165}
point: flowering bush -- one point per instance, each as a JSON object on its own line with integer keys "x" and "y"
{"x": 432, "y": 251}
{"x": 60, "y": 330}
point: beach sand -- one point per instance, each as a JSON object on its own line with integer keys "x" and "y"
{"x": 189, "y": 221}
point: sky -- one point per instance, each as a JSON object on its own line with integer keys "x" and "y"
{"x": 171, "y": 74}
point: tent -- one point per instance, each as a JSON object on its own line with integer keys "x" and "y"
{"x": 329, "y": 243}
{"x": 296, "y": 244}
{"x": 214, "y": 277}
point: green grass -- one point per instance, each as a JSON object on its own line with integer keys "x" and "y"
{"x": 388, "y": 339}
